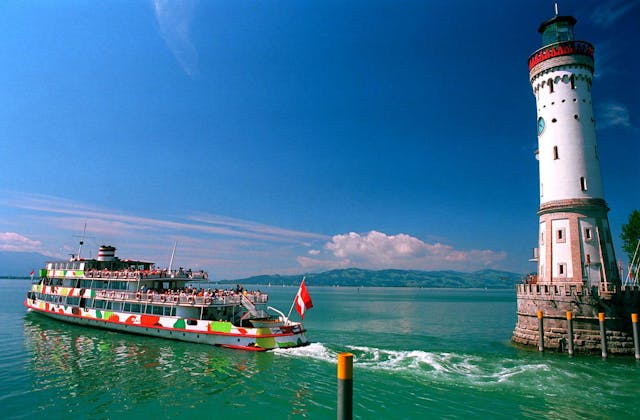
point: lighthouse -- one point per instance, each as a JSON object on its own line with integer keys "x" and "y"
{"x": 577, "y": 279}
{"x": 574, "y": 244}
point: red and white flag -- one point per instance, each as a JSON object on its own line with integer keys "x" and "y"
{"x": 302, "y": 300}
{"x": 32, "y": 273}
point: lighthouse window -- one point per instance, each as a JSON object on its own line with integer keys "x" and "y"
{"x": 554, "y": 120}
{"x": 562, "y": 269}
{"x": 555, "y": 153}
{"x": 575, "y": 116}
{"x": 583, "y": 183}
{"x": 550, "y": 83}
{"x": 573, "y": 82}
{"x": 560, "y": 236}
{"x": 587, "y": 234}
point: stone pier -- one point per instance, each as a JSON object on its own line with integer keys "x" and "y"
{"x": 585, "y": 303}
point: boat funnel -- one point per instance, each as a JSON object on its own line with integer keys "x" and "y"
{"x": 107, "y": 253}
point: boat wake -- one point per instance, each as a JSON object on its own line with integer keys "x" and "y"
{"x": 430, "y": 366}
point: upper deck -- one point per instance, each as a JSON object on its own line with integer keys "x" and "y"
{"x": 108, "y": 266}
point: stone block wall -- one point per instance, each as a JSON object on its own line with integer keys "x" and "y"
{"x": 585, "y": 304}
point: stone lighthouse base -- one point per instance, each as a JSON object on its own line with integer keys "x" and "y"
{"x": 585, "y": 304}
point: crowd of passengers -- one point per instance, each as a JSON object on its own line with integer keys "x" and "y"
{"x": 199, "y": 292}
{"x": 160, "y": 272}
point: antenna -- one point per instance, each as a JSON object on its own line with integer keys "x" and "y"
{"x": 173, "y": 253}
{"x": 82, "y": 238}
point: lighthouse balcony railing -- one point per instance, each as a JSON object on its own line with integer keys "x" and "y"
{"x": 559, "y": 49}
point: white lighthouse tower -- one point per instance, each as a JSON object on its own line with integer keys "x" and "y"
{"x": 575, "y": 244}
{"x": 577, "y": 288}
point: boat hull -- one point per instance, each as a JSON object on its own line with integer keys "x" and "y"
{"x": 216, "y": 333}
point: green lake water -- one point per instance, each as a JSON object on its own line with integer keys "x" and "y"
{"x": 418, "y": 353}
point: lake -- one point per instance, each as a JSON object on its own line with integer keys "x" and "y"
{"x": 441, "y": 353}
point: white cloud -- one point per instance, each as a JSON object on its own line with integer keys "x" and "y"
{"x": 377, "y": 250}
{"x": 612, "y": 114}
{"x": 11, "y": 241}
{"x": 174, "y": 21}
{"x": 607, "y": 12}
{"x": 232, "y": 247}
{"x": 62, "y": 213}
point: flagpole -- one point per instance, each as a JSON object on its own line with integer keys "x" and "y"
{"x": 294, "y": 299}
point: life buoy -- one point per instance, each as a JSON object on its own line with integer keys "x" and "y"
{"x": 190, "y": 300}
{"x": 207, "y": 301}
{"x": 90, "y": 274}
{"x": 104, "y": 293}
{"x": 163, "y": 298}
{"x": 138, "y": 296}
{"x": 112, "y": 295}
{"x": 175, "y": 299}
{"x": 150, "y": 298}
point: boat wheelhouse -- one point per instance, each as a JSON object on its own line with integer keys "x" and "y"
{"x": 137, "y": 297}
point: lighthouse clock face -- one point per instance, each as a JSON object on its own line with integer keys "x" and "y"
{"x": 540, "y": 125}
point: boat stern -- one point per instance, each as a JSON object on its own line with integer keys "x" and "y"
{"x": 283, "y": 336}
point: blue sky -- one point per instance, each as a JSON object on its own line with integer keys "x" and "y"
{"x": 295, "y": 136}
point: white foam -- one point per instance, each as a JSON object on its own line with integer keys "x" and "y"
{"x": 462, "y": 369}
{"x": 314, "y": 351}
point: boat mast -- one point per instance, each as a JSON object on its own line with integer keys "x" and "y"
{"x": 82, "y": 238}
{"x": 173, "y": 253}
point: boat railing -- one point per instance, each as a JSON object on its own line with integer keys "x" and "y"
{"x": 146, "y": 274}
{"x": 181, "y": 298}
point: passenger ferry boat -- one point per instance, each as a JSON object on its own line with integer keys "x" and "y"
{"x": 135, "y": 297}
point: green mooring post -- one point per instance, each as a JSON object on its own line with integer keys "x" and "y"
{"x": 636, "y": 345}
{"x": 603, "y": 335}
{"x": 345, "y": 386}
{"x": 540, "y": 332}
{"x": 570, "y": 332}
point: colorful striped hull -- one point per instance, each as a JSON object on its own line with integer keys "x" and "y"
{"x": 217, "y": 333}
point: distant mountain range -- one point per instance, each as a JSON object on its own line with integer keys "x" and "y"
{"x": 20, "y": 264}
{"x": 492, "y": 279}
